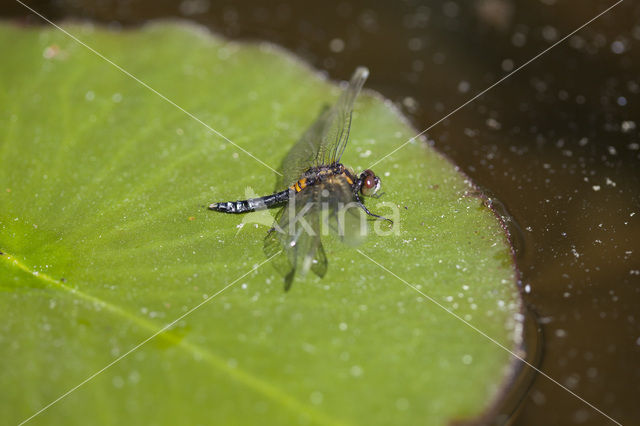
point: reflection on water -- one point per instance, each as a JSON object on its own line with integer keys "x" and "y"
{"x": 558, "y": 144}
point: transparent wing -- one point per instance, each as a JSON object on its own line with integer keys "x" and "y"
{"x": 324, "y": 142}
{"x": 337, "y": 135}
{"x": 342, "y": 214}
{"x": 303, "y": 154}
{"x": 310, "y": 214}
{"x": 297, "y": 234}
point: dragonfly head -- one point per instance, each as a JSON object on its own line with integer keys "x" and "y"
{"x": 369, "y": 183}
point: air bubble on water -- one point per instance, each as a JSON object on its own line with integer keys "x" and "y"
{"x": 628, "y": 126}
{"x": 572, "y": 381}
{"x": 560, "y": 333}
{"x": 493, "y": 124}
{"x": 470, "y": 133}
{"x": 519, "y": 39}
{"x": 411, "y": 104}
{"x": 549, "y": 33}
{"x": 580, "y": 416}
{"x": 336, "y": 45}
{"x": 592, "y": 372}
{"x": 116, "y": 97}
{"x": 193, "y": 7}
{"x": 538, "y": 398}
{"x": 507, "y": 65}
{"x": 467, "y": 359}
{"x": 618, "y": 47}
{"x": 596, "y": 188}
{"x": 450, "y": 9}
{"x": 343, "y": 326}
{"x": 415, "y": 44}
{"x": 89, "y": 96}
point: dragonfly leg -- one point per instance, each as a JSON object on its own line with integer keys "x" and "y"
{"x": 366, "y": 210}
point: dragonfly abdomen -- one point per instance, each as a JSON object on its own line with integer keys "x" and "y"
{"x": 252, "y": 204}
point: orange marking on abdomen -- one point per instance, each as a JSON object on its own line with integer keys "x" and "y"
{"x": 302, "y": 184}
{"x": 348, "y": 178}
{"x": 299, "y": 185}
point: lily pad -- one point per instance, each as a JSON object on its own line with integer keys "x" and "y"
{"x": 105, "y": 239}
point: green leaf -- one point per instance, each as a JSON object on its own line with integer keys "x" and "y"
{"x": 106, "y": 238}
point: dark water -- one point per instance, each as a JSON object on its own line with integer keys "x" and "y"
{"x": 558, "y": 144}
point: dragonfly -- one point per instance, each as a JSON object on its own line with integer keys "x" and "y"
{"x": 317, "y": 193}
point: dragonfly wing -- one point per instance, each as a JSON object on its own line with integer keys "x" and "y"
{"x": 303, "y": 154}
{"x": 273, "y": 248}
{"x": 310, "y": 214}
{"x": 297, "y": 234}
{"x": 343, "y": 214}
{"x": 325, "y": 140}
{"x": 337, "y": 134}
{"x": 319, "y": 264}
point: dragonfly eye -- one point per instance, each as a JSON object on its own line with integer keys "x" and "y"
{"x": 370, "y": 183}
